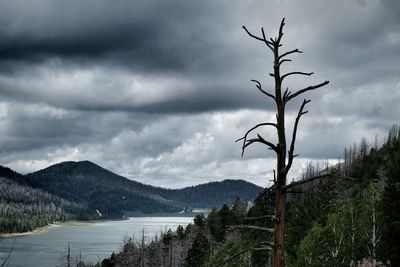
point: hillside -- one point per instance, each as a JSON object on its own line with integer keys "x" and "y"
{"x": 105, "y": 191}
{"x": 14, "y": 176}
{"x": 349, "y": 218}
{"x": 214, "y": 194}
{"x": 113, "y": 194}
{"x": 23, "y": 208}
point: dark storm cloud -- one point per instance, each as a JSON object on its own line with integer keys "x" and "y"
{"x": 144, "y": 35}
{"x": 197, "y": 102}
{"x": 33, "y": 126}
{"x": 149, "y": 37}
{"x": 160, "y": 89}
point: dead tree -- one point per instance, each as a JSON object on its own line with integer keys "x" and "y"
{"x": 284, "y": 153}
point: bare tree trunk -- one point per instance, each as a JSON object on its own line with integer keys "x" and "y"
{"x": 284, "y": 157}
{"x": 280, "y": 197}
{"x": 279, "y": 233}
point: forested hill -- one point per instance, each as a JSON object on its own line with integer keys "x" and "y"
{"x": 214, "y": 194}
{"x": 348, "y": 218}
{"x": 23, "y": 208}
{"x": 113, "y": 194}
{"x": 105, "y": 191}
{"x": 14, "y": 176}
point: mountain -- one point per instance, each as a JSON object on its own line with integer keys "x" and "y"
{"x": 23, "y": 207}
{"x": 103, "y": 190}
{"x": 113, "y": 194}
{"x": 14, "y": 176}
{"x": 214, "y": 194}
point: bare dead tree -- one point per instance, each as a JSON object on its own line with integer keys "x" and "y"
{"x": 285, "y": 154}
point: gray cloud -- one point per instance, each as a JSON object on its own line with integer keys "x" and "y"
{"x": 159, "y": 91}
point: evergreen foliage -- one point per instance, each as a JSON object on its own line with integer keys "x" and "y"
{"x": 23, "y": 208}
{"x": 199, "y": 252}
{"x": 349, "y": 219}
{"x": 113, "y": 195}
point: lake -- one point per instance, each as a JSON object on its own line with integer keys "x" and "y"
{"x": 95, "y": 241}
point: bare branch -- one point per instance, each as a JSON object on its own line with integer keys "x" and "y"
{"x": 280, "y": 31}
{"x": 296, "y": 72}
{"x": 284, "y": 60}
{"x": 273, "y": 41}
{"x": 291, "y": 150}
{"x": 258, "y": 85}
{"x": 264, "y": 40}
{"x": 263, "y": 33}
{"x": 246, "y": 143}
{"x": 232, "y": 257}
{"x": 272, "y": 146}
{"x": 260, "y": 139}
{"x": 268, "y": 247}
{"x": 285, "y": 95}
{"x": 252, "y": 35}
{"x": 270, "y": 45}
{"x": 262, "y": 248}
{"x": 272, "y": 217}
{"x": 290, "y": 52}
{"x": 255, "y": 127}
{"x": 291, "y": 185}
{"x": 289, "y": 97}
{"x": 267, "y": 244}
{"x": 251, "y": 227}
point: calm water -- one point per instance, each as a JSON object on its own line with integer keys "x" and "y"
{"x": 95, "y": 240}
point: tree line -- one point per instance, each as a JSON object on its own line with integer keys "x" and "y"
{"x": 339, "y": 220}
{"x": 23, "y": 208}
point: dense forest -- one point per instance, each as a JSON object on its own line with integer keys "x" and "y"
{"x": 212, "y": 194}
{"x": 84, "y": 190}
{"x": 24, "y": 208}
{"x": 349, "y": 218}
{"x": 113, "y": 195}
{"x": 103, "y": 190}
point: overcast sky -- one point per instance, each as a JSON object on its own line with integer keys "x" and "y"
{"x": 158, "y": 91}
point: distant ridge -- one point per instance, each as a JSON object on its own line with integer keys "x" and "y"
{"x": 13, "y": 175}
{"x": 214, "y": 194}
{"x": 112, "y": 194}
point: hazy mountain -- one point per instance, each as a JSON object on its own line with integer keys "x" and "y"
{"x": 214, "y": 194}
{"x": 113, "y": 194}
{"x": 105, "y": 191}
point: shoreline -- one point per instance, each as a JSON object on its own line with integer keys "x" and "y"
{"x": 86, "y": 222}
{"x": 46, "y": 228}
{"x": 33, "y": 232}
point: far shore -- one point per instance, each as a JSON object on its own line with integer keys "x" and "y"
{"x": 47, "y": 227}
{"x": 35, "y": 231}
{"x": 85, "y": 222}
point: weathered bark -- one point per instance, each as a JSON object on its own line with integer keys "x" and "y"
{"x": 284, "y": 157}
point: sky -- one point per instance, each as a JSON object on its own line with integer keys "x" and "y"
{"x": 158, "y": 91}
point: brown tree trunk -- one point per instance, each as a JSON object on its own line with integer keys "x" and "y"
{"x": 284, "y": 157}
{"x": 280, "y": 182}
{"x": 279, "y": 233}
